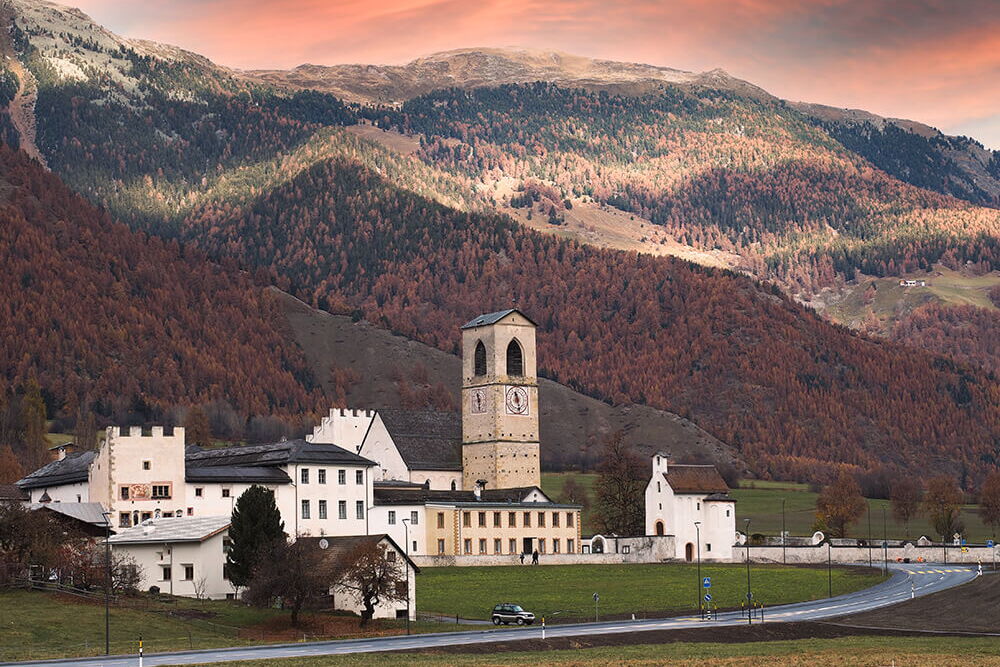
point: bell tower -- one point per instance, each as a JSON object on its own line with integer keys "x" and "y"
{"x": 499, "y": 402}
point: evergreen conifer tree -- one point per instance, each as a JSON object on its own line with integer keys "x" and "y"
{"x": 256, "y": 525}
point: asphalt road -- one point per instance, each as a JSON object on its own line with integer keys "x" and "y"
{"x": 906, "y": 580}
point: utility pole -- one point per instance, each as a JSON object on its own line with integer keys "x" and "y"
{"x": 107, "y": 582}
{"x": 868, "y": 503}
{"x": 697, "y": 531}
{"x": 746, "y": 529}
{"x": 784, "y": 559}
{"x": 885, "y": 547}
{"x": 829, "y": 567}
{"x": 406, "y": 569}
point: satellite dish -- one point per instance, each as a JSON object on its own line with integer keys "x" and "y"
{"x": 324, "y": 543}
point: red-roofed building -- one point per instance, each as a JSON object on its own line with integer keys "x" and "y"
{"x": 692, "y": 503}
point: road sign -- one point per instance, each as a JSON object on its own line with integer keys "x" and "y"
{"x": 749, "y": 596}
{"x": 708, "y": 597}
{"x": 706, "y": 582}
{"x": 596, "y": 597}
{"x": 989, "y": 543}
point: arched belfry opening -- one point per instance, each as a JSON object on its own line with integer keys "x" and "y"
{"x": 515, "y": 359}
{"x": 480, "y": 358}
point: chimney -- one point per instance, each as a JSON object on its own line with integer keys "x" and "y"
{"x": 478, "y": 490}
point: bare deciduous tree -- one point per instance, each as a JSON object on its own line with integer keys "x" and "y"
{"x": 367, "y": 572}
{"x": 989, "y": 501}
{"x": 296, "y": 574}
{"x": 905, "y": 499}
{"x": 620, "y": 489}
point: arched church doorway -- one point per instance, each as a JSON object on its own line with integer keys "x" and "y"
{"x": 689, "y": 552}
{"x": 659, "y": 528}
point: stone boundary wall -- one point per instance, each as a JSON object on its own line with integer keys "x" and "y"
{"x": 859, "y": 555}
{"x": 650, "y": 549}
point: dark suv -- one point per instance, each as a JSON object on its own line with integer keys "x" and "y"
{"x": 511, "y": 613}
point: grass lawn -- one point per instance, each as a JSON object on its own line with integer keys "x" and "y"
{"x": 760, "y": 501}
{"x": 854, "y": 651}
{"x": 471, "y": 592}
{"x": 36, "y": 625}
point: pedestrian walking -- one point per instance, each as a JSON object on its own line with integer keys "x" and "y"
{"x": 522, "y": 558}
{"x": 534, "y": 557}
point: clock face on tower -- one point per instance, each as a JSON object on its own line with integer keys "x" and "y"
{"x": 478, "y": 401}
{"x": 517, "y": 401}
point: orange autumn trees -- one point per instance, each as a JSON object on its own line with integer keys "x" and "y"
{"x": 108, "y": 317}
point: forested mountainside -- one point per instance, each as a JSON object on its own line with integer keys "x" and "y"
{"x": 790, "y": 391}
{"x": 717, "y": 170}
{"x": 967, "y": 334}
{"x": 128, "y": 324}
{"x": 252, "y": 176}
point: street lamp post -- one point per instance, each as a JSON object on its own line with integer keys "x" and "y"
{"x": 107, "y": 582}
{"x": 784, "y": 560}
{"x": 829, "y": 568}
{"x": 869, "y": 505}
{"x": 406, "y": 570}
{"x": 746, "y": 532}
{"x": 885, "y": 547}
{"x": 697, "y": 531}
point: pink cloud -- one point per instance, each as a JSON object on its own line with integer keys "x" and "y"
{"x": 935, "y": 61}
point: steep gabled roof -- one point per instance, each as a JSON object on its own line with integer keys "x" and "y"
{"x": 74, "y": 468}
{"x": 695, "y": 479}
{"x": 337, "y": 548}
{"x": 394, "y": 495}
{"x": 274, "y": 454}
{"x": 493, "y": 318}
{"x": 426, "y": 439}
{"x": 12, "y": 492}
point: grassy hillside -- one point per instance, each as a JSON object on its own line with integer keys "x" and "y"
{"x": 388, "y": 370}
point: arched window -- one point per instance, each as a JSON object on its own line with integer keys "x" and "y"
{"x": 659, "y": 528}
{"x": 515, "y": 359}
{"x": 453, "y": 485}
{"x": 480, "y": 358}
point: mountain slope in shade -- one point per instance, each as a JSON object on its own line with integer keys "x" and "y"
{"x": 479, "y": 67}
{"x": 104, "y": 315}
{"x": 573, "y": 426}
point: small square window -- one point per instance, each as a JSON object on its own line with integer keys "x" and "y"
{"x": 390, "y": 556}
{"x": 165, "y": 573}
{"x": 189, "y": 573}
{"x": 225, "y": 493}
{"x": 359, "y": 477}
{"x": 708, "y": 546}
{"x": 626, "y": 549}
{"x": 146, "y": 465}
{"x": 198, "y": 491}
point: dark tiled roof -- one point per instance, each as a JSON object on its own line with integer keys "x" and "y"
{"x": 12, "y": 492}
{"x": 237, "y": 474}
{"x": 397, "y": 483}
{"x": 720, "y": 497}
{"x": 73, "y": 468}
{"x": 426, "y": 439}
{"x": 695, "y": 479}
{"x": 420, "y": 496}
{"x": 338, "y": 547}
{"x": 274, "y": 454}
{"x": 493, "y": 318}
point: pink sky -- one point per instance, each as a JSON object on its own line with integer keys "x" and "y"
{"x": 936, "y": 61}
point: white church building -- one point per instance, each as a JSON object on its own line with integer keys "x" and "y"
{"x": 691, "y": 503}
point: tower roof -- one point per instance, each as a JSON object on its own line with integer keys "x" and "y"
{"x": 493, "y": 318}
